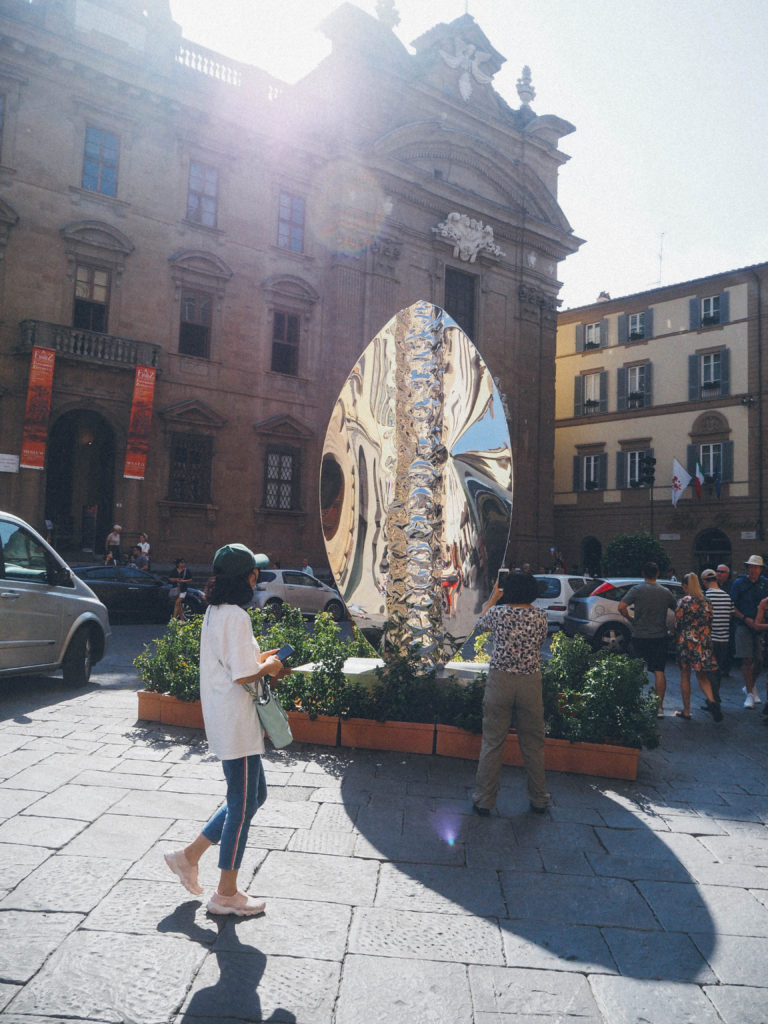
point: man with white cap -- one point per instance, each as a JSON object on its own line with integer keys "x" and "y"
{"x": 747, "y": 592}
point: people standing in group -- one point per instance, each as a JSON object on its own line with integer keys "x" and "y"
{"x": 722, "y": 607}
{"x": 650, "y": 631}
{"x": 112, "y": 544}
{"x": 179, "y": 580}
{"x": 230, "y": 660}
{"x": 747, "y": 591}
{"x": 693, "y": 640}
{"x": 724, "y": 580}
{"x": 513, "y": 690}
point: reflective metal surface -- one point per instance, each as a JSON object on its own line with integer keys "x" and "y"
{"x": 416, "y": 480}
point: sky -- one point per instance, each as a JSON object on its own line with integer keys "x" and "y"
{"x": 666, "y": 180}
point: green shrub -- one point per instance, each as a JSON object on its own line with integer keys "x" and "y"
{"x": 174, "y": 666}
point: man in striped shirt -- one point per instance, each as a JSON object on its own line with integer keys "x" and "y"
{"x": 722, "y": 607}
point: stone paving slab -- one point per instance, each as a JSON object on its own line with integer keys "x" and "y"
{"x": 94, "y": 976}
{"x": 509, "y": 994}
{"x": 310, "y": 930}
{"x": 441, "y": 890}
{"x": 738, "y": 1004}
{"x": 557, "y": 947}
{"x": 308, "y": 875}
{"x": 249, "y": 986}
{"x": 668, "y": 956}
{"x": 630, "y": 1000}
{"x": 16, "y": 862}
{"x": 425, "y": 936}
{"x": 27, "y": 940}
{"x": 84, "y": 803}
{"x": 68, "y": 884}
{"x": 14, "y": 800}
{"x": 706, "y": 908}
{"x": 385, "y": 991}
{"x": 592, "y": 901}
{"x": 33, "y": 831}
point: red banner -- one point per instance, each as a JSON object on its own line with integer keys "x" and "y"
{"x": 141, "y": 418}
{"x": 38, "y": 408}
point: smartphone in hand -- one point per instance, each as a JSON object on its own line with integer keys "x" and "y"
{"x": 284, "y": 653}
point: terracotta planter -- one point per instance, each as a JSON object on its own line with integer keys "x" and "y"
{"x": 601, "y": 759}
{"x": 407, "y": 737}
{"x": 161, "y": 707}
{"x": 149, "y": 705}
{"x": 324, "y": 730}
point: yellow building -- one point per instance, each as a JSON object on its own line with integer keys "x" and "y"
{"x": 675, "y": 373}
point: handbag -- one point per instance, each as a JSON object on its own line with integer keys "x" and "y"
{"x": 272, "y": 717}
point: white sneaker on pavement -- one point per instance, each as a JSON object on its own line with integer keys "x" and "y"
{"x": 749, "y": 701}
{"x": 185, "y": 872}
{"x": 240, "y": 904}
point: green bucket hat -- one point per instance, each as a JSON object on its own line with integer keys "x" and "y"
{"x": 236, "y": 560}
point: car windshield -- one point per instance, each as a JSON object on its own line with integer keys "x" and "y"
{"x": 589, "y": 588}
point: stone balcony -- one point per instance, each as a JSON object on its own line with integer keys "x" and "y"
{"x": 88, "y": 346}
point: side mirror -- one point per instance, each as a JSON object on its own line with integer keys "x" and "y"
{"x": 60, "y": 576}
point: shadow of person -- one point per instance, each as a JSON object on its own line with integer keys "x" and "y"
{"x": 227, "y": 985}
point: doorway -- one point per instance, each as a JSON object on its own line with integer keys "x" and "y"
{"x": 711, "y": 548}
{"x": 80, "y": 477}
{"x": 591, "y": 556}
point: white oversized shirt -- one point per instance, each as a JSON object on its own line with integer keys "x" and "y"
{"x": 229, "y": 651}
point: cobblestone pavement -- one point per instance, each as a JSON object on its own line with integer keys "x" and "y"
{"x": 387, "y": 900}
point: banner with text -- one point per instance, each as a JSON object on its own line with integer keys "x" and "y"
{"x": 141, "y": 418}
{"x": 38, "y": 409}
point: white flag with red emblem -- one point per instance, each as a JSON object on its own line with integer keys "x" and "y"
{"x": 680, "y": 480}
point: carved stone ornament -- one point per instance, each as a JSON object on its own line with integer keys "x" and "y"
{"x": 467, "y": 60}
{"x": 469, "y": 237}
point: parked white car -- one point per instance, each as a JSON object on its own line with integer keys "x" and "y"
{"x": 277, "y": 587}
{"x": 554, "y": 593}
{"x": 49, "y": 619}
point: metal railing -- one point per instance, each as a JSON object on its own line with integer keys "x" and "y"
{"x": 91, "y": 346}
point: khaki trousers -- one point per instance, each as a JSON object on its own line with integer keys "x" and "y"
{"x": 511, "y": 699}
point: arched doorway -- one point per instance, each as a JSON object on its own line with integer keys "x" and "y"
{"x": 711, "y": 547}
{"x": 80, "y": 480}
{"x": 591, "y": 556}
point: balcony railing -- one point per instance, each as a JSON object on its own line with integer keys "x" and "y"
{"x": 89, "y": 346}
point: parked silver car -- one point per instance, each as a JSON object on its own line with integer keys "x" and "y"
{"x": 554, "y": 593}
{"x": 277, "y": 587}
{"x": 593, "y": 612}
{"x": 49, "y": 618}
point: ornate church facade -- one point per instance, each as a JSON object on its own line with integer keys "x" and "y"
{"x": 193, "y": 254}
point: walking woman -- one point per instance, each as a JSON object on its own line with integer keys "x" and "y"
{"x": 230, "y": 659}
{"x": 513, "y": 690}
{"x": 693, "y": 639}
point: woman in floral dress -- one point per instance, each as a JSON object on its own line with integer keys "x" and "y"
{"x": 693, "y": 622}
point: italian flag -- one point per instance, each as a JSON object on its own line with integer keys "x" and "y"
{"x": 698, "y": 478}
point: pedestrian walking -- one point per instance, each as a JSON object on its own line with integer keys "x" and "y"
{"x": 747, "y": 592}
{"x": 761, "y": 625}
{"x": 693, "y": 620}
{"x": 722, "y": 607}
{"x": 513, "y": 690}
{"x": 650, "y": 632}
{"x": 230, "y": 659}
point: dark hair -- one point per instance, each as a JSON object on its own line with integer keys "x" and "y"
{"x": 230, "y": 590}
{"x": 179, "y": 561}
{"x": 519, "y": 588}
{"x": 650, "y": 571}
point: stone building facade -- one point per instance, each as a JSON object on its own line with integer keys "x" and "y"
{"x": 166, "y": 208}
{"x": 674, "y": 373}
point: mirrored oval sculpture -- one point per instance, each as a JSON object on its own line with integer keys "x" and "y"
{"x": 416, "y": 480}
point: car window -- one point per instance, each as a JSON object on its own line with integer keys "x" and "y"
{"x": 23, "y": 557}
{"x": 549, "y": 586}
{"x": 265, "y": 576}
{"x": 589, "y": 588}
{"x": 574, "y": 582}
{"x": 105, "y": 572}
{"x": 298, "y": 579}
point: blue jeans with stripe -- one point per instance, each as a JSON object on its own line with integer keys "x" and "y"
{"x": 246, "y": 792}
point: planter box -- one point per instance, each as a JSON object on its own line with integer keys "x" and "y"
{"x": 324, "y": 730}
{"x": 406, "y": 737}
{"x": 601, "y": 759}
{"x": 161, "y": 707}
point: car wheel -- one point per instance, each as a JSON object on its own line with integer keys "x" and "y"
{"x": 275, "y": 605}
{"x": 78, "y": 659}
{"x": 336, "y": 610}
{"x": 191, "y": 606}
{"x": 614, "y": 638}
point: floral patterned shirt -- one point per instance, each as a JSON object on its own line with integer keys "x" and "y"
{"x": 519, "y": 633}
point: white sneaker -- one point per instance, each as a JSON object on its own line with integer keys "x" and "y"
{"x": 756, "y": 699}
{"x": 749, "y": 702}
{"x": 239, "y": 904}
